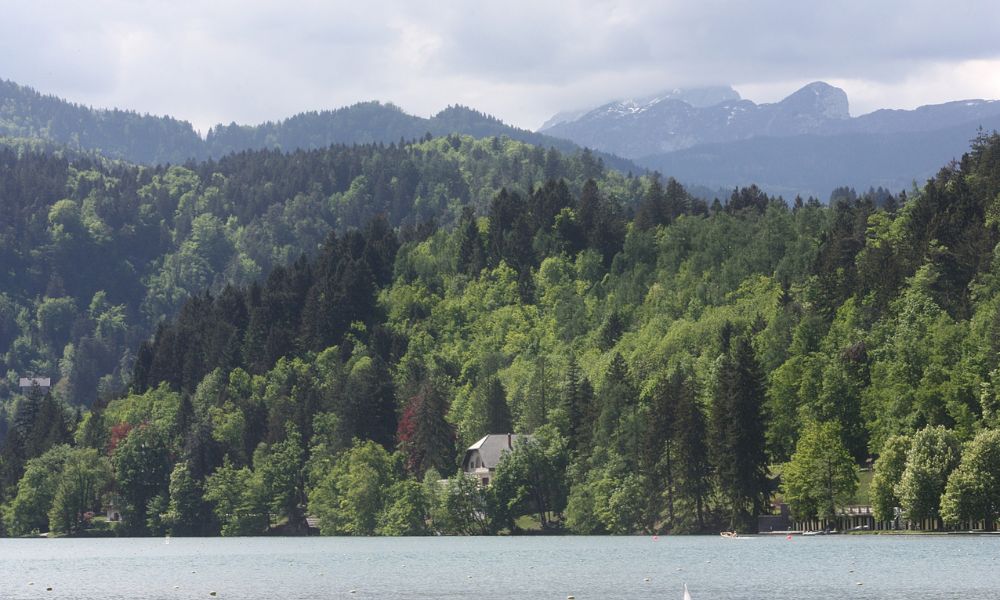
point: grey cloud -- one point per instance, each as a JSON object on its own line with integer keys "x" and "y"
{"x": 249, "y": 61}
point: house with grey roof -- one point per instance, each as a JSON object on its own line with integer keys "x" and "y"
{"x": 482, "y": 458}
{"x": 28, "y": 384}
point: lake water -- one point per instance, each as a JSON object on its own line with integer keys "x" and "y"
{"x": 896, "y": 567}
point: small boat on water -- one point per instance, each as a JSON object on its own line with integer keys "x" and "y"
{"x": 687, "y": 596}
{"x": 729, "y": 534}
{"x": 820, "y": 532}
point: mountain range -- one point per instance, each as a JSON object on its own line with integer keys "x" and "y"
{"x": 149, "y": 139}
{"x": 710, "y": 138}
{"x": 808, "y": 143}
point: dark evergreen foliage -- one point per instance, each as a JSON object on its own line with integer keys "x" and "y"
{"x": 498, "y": 419}
{"x": 737, "y": 432}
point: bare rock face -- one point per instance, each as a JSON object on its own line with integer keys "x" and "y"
{"x": 806, "y": 144}
{"x": 818, "y": 99}
{"x": 680, "y": 119}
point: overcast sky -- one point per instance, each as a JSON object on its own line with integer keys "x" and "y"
{"x": 247, "y": 61}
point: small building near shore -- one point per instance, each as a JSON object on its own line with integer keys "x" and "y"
{"x": 481, "y": 459}
{"x": 780, "y": 519}
{"x": 112, "y": 508}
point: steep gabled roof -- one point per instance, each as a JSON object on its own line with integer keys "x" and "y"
{"x": 491, "y": 447}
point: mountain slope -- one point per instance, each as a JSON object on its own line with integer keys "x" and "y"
{"x": 94, "y": 253}
{"x": 636, "y": 128}
{"x": 805, "y": 144}
{"x": 25, "y": 113}
{"x": 148, "y": 139}
{"x": 812, "y": 165}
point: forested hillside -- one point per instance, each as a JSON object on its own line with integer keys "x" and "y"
{"x": 151, "y": 140}
{"x": 672, "y": 358}
{"x": 25, "y": 113}
{"x": 95, "y": 254}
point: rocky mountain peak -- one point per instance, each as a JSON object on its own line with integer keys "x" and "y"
{"x": 819, "y": 99}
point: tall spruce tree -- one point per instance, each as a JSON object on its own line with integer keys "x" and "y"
{"x": 471, "y": 253}
{"x": 425, "y": 436}
{"x": 659, "y": 463}
{"x": 738, "y": 445}
{"x": 652, "y": 209}
{"x": 576, "y": 402}
{"x": 498, "y": 419}
{"x": 676, "y": 201}
{"x": 617, "y": 420}
{"x": 600, "y": 222}
{"x": 693, "y": 472}
{"x": 370, "y": 407}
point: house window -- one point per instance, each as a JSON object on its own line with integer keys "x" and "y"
{"x": 486, "y": 480}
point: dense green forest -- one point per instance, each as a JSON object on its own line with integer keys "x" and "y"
{"x": 349, "y": 320}
{"x": 95, "y": 254}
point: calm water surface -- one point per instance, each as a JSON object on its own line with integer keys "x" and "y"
{"x": 888, "y": 567}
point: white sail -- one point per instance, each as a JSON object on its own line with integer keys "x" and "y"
{"x": 687, "y": 596}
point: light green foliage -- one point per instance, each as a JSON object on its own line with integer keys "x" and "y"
{"x": 973, "y": 490}
{"x": 157, "y": 515}
{"x": 350, "y": 498}
{"x": 186, "y": 511}
{"x": 92, "y": 431}
{"x": 158, "y": 407}
{"x": 29, "y": 510}
{"x": 327, "y": 442}
{"x": 933, "y": 455}
{"x": 822, "y": 476}
{"x": 467, "y": 508}
{"x": 84, "y": 478}
{"x": 228, "y": 425}
{"x": 619, "y": 504}
{"x": 110, "y": 321}
{"x": 916, "y": 350}
{"x": 279, "y": 469}
{"x": 888, "y": 471}
{"x": 557, "y": 290}
{"x": 611, "y": 500}
{"x": 142, "y": 471}
{"x": 532, "y": 478}
{"x": 406, "y": 510}
{"x": 56, "y": 491}
{"x": 237, "y": 500}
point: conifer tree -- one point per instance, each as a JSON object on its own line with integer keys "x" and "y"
{"x": 617, "y": 419}
{"x": 576, "y": 402}
{"x": 588, "y": 212}
{"x": 498, "y": 419}
{"x": 738, "y": 433}
{"x": 510, "y": 233}
{"x": 693, "y": 473}
{"x": 471, "y": 254}
{"x": 675, "y": 200}
{"x": 652, "y": 209}
{"x": 370, "y": 406}
{"x": 425, "y": 436}
{"x": 600, "y": 222}
{"x": 380, "y": 250}
{"x": 659, "y": 462}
